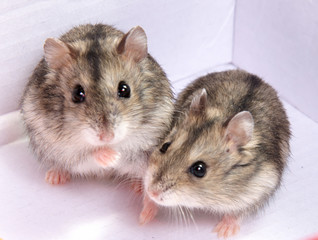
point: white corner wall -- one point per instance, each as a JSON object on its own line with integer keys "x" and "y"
{"x": 184, "y": 36}
{"x": 278, "y": 40}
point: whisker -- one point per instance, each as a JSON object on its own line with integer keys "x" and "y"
{"x": 184, "y": 217}
{"x": 129, "y": 182}
{"x": 179, "y": 218}
{"x": 191, "y": 217}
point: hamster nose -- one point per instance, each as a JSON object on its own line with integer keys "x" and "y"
{"x": 106, "y": 136}
{"x": 153, "y": 193}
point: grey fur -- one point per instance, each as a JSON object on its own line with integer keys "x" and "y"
{"x": 54, "y": 123}
{"x": 237, "y": 183}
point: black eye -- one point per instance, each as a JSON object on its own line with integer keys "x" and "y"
{"x": 78, "y": 95}
{"x": 123, "y": 90}
{"x": 198, "y": 169}
{"x": 165, "y": 147}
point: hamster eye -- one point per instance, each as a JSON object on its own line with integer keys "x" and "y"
{"x": 78, "y": 95}
{"x": 165, "y": 147}
{"x": 123, "y": 90}
{"x": 198, "y": 169}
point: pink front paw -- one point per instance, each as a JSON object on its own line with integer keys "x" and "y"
{"x": 106, "y": 157}
{"x": 137, "y": 186}
{"x": 228, "y": 227}
{"x": 148, "y": 212}
{"x": 55, "y": 177}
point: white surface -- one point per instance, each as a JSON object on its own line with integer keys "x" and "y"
{"x": 184, "y": 36}
{"x": 98, "y": 210}
{"x": 275, "y": 39}
{"x": 278, "y": 41}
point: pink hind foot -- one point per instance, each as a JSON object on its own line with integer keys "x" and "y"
{"x": 55, "y": 177}
{"x": 137, "y": 186}
{"x": 106, "y": 157}
{"x": 228, "y": 227}
{"x": 148, "y": 212}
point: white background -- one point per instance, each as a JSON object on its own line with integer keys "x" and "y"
{"x": 276, "y": 39}
{"x": 184, "y": 36}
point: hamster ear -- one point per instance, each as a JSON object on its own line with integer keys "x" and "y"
{"x": 57, "y": 53}
{"x": 133, "y": 45}
{"x": 198, "y": 103}
{"x": 239, "y": 130}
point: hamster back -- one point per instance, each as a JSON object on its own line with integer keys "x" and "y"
{"x": 97, "y": 99}
{"x": 226, "y": 151}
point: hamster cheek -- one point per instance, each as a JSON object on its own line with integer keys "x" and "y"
{"x": 97, "y": 138}
{"x": 91, "y": 137}
{"x": 149, "y": 177}
{"x": 120, "y": 132}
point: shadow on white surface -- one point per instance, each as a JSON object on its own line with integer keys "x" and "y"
{"x": 81, "y": 209}
{"x": 184, "y": 37}
{"x": 95, "y": 209}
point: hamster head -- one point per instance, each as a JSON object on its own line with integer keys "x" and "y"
{"x": 208, "y": 162}
{"x": 100, "y": 88}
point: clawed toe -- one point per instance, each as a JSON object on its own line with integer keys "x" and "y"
{"x": 228, "y": 227}
{"x": 148, "y": 212}
{"x": 56, "y": 177}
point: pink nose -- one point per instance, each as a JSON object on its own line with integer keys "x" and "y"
{"x": 153, "y": 193}
{"x": 106, "y": 136}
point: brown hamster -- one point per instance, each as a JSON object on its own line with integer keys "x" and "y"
{"x": 226, "y": 151}
{"x": 97, "y": 101}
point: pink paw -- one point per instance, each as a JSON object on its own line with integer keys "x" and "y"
{"x": 148, "y": 212}
{"x": 228, "y": 227}
{"x": 55, "y": 177}
{"x": 137, "y": 186}
{"x": 106, "y": 157}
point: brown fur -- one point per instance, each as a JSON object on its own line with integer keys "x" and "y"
{"x": 96, "y": 57}
{"x": 240, "y": 179}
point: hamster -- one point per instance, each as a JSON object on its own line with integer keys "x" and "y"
{"x": 226, "y": 151}
{"x": 96, "y": 103}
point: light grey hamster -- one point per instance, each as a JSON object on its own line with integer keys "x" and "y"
{"x": 226, "y": 151}
{"x": 97, "y": 101}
